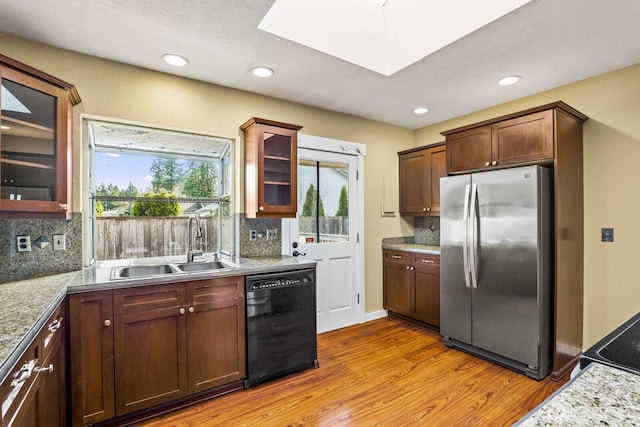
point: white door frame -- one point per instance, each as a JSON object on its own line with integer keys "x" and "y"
{"x": 319, "y": 143}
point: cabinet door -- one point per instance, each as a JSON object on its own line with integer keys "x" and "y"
{"x": 216, "y": 332}
{"x": 278, "y": 166}
{"x": 523, "y": 139}
{"x": 397, "y": 278}
{"x": 53, "y": 389}
{"x": 150, "y": 346}
{"x": 34, "y": 157}
{"x": 469, "y": 149}
{"x": 436, "y": 169}
{"x": 413, "y": 182}
{"x": 425, "y": 301}
{"x": 91, "y": 357}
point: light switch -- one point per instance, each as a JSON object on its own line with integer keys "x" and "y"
{"x": 607, "y": 234}
{"x": 59, "y": 242}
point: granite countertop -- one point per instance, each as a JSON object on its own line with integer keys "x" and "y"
{"x": 27, "y": 304}
{"x": 412, "y": 247}
{"x": 599, "y": 395}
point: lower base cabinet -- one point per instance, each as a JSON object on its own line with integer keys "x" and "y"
{"x": 139, "y": 347}
{"x": 34, "y": 393}
{"x": 411, "y": 285}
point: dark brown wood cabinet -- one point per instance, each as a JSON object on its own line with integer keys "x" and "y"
{"x": 91, "y": 357}
{"x": 271, "y": 168}
{"x": 150, "y": 346}
{"x": 550, "y": 134}
{"x": 420, "y": 172}
{"x": 519, "y": 140}
{"x": 34, "y": 393}
{"x": 411, "y": 285}
{"x": 36, "y": 135}
{"x": 140, "y": 347}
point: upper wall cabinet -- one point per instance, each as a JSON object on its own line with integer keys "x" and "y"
{"x": 35, "y": 142}
{"x": 271, "y": 169}
{"x": 519, "y": 140}
{"x": 420, "y": 172}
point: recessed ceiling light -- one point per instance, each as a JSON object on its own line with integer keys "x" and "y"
{"x": 420, "y": 110}
{"x": 175, "y": 60}
{"x": 262, "y": 72}
{"x": 509, "y": 80}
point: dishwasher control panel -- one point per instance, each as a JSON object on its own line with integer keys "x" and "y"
{"x": 271, "y": 281}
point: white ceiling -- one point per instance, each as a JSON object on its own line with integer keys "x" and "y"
{"x": 548, "y": 42}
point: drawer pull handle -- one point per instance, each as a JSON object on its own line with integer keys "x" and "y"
{"x": 396, "y": 257}
{"x": 45, "y": 368}
{"x": 54, "y": 326}
{"x": 23, "y": 374}
{"x": 428, "y": 261}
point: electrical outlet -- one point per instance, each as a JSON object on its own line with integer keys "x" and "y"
{"x": 272, "y": 234}
{"x": 59, "y": 242}
{"x": 23, "y": 243}
{"x": 253, "y": 234}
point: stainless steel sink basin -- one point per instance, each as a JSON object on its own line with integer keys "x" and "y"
{"x": 202, "y": 266}
{"x": 142, "y": 271}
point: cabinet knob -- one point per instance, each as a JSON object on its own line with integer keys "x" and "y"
{"x": 487, "y": 163}
{"x": 192, "y": 309}
{"x": 107, "y": 322}
{"x": 182, "y": 310}
{"x": 494, "y": 163}
{"x": 408, "y": 267}
{"x": 261, "y": 208}
{"x": 428, "y": 209}
{"x": 424, "y": 209}
{"x": 63, "y": 206}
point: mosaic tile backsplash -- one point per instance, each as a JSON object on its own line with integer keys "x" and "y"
{"x": 42, "y": 260}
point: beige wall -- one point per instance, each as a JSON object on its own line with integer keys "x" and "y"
{"x": 611, "y": 154}
{"x": 611, "y": 187}
{"x": 120, "y": 91}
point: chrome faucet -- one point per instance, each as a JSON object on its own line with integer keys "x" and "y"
{"x": 190, "y": 252}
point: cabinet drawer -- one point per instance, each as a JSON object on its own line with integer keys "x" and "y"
{"x": 397, "y": 257}
{"x": 204, "y": 291}
{"x": 52, "y": 331}
{"x": 15, "y": 388}
{"x": 426, "y": 262}
{"x": 148, "y": 298}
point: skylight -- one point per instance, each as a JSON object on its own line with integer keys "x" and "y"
{"x": 382, "y": 39}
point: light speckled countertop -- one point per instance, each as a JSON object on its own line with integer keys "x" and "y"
{"x": 599, "y": 396}
{"x": 27, "y": 304}
{"x": 412, "y": 247}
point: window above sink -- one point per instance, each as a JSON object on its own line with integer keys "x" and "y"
{"x": 144, "y": 183}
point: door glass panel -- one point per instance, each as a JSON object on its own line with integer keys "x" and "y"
{"x": 28, "y": 143}
{"x": 277, "y": 169}
{"x": 323, "y": 200}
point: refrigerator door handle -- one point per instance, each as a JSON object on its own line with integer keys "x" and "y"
{"x": 465, "y": 243}
{"x": 473, "y": 225}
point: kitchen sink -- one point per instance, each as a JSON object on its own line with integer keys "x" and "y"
{"x": 142, "y": 271}
{"x": 202, "y": 266}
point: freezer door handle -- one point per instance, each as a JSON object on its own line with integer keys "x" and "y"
{"x": 465, "y": 243}
{"x": 473, "y": 226}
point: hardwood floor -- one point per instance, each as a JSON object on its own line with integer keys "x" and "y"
{"x": 381, "y": 373}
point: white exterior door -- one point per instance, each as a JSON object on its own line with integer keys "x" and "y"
{"x": 326, "y": 230}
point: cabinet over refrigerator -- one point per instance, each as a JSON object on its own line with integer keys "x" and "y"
{"x": 496, "y": 266}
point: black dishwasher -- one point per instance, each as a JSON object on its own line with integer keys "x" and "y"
{"x": 281, "y": 324}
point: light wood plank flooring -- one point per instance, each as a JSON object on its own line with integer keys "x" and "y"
{"x": 381, "y": 373}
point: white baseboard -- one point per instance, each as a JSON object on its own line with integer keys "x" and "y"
{"x": 374, "y": 315}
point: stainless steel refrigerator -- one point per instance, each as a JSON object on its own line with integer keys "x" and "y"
{"x": 496, "y": 275}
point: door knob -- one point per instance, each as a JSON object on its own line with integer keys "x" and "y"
{"x": 296, "y": 253}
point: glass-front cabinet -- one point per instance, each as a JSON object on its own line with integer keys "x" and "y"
{"x": 271, "y": 162}
{"x": 35, "y": 142}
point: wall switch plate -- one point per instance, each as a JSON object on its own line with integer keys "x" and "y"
{"x": 272, "y": 233}
{"x": 59, "y": 242}
{"x": 253, "y": 234}
{"x": 23, "y": 243}
{"x": 607, "y": 234}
